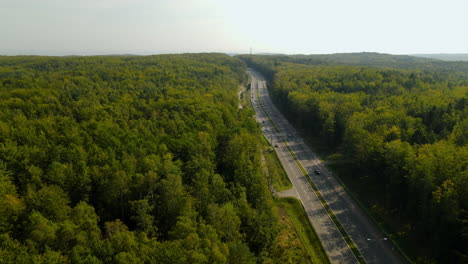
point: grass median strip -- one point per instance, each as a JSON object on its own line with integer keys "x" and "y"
{"x": 304, "y": 229}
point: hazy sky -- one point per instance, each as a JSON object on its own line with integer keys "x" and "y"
{"x": 61, "y": 27}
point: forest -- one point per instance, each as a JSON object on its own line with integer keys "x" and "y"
{"x": 401, "y": 121}
{"x": 131, "y": 159}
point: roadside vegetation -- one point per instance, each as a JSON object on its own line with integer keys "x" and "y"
{"x": 293, "y": 216}
{"x": 395, "y": 128}
{"x": 276, "y": 176}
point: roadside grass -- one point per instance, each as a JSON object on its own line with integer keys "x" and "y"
{"x": 276, "y": 173}
{"x": 294, "y": 217}
{"x": 278, "y": 176}
{"x": 245, "y": 97}
{"x": 289, "y": 248}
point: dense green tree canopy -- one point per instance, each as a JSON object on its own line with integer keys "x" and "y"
{"x": 130, "y": 160}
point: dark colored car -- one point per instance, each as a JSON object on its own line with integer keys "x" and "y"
{"x": 317, "y": 172}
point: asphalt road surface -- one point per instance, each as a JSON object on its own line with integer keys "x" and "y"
{"x": 370, "y": 241}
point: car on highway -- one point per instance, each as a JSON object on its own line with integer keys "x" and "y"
{"x": 317, "y": 171}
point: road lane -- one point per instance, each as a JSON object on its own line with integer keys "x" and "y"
{"x": 369, "y": 240}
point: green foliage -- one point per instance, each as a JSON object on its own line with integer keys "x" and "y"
{"x": 130, "y": 160}
{"x": 50, "y": 201}
{"x": 11, "y": 206}
{"x": 302, "y": 232}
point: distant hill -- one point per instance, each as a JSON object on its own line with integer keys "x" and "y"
{"x": 445, "y": 56}
{"x": 267, "y": 53}
{"x": 371, "y": 59}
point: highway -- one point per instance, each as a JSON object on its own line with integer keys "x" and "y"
{"x": 372, "y": 244}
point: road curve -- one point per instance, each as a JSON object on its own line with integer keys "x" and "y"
{"x": 370, "y": 241}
